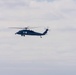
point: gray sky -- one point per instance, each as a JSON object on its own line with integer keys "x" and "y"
{"x": 54, "y": 54}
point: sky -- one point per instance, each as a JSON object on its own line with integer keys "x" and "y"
{"x": 54, "y": 53}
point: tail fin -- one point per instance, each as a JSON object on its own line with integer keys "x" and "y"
{"x": 45, "y": 32}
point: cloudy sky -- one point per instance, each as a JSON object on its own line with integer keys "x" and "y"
{"x": 54, "y": 54}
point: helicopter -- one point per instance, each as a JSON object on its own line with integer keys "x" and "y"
{"x": 26, "y": 31}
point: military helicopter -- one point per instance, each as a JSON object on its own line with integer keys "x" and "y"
{"x": 26, "y": 31}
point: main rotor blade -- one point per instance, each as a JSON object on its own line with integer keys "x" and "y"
{"x": 17, "y": 27}
{"x": 22, "y": 27}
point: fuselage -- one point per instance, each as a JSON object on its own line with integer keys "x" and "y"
{"x": 30, "y": 32}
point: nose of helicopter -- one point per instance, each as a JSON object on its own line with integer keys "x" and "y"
{"x": 16, "y": 33}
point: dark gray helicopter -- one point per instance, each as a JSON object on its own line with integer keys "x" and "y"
{"x": 27, "y": 31}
